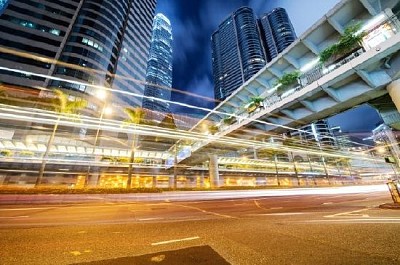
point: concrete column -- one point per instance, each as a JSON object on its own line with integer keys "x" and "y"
{"x": 93, "y": 180}
{"x": 2, "y": 179}
{"x": 213, "y": 171}
{"x": 200, "y": 180}
{"x": 394, "y": 92}
{"x": 171, "y": 181}
{"x": 154, "y": 182}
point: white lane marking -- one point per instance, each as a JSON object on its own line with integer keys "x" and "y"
{"x": 174, "y": 241}
{"x": 276, "y": 208}
{"x": 204, "y": 211}
{"x": 327, "y": 203}
{"x": 150, "y": 219}
{"x": 352, "y": 213}
{"x": 358, "y": 220}
{"x": 274, "y": 214}
{"x": 13, "y": 217}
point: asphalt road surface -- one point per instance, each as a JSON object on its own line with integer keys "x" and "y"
{"x": 305, "y": 226}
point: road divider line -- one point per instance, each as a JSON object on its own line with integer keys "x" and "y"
{"x": 150, "y": 219}
{"x": 259, "y": 206}
{"x": 357, "y": 220}
{"x": 204, "y": 211}
{"x": 276, "y": 214}
{"x": 347, "y": 213}
{"x": 175, "y": 241}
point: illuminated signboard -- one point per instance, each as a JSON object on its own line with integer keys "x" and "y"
{"x": 3, "y": 6}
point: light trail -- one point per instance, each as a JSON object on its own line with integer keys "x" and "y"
{"x": 126, "y": 93}
{"x": 48, "y": 117}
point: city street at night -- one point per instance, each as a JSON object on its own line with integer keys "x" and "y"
{"x": 288, "y": 226}
{"x": 202, "y": 132}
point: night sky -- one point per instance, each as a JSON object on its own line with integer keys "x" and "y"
{"x": 193, "y": 22}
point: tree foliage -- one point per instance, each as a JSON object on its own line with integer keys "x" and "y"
{"x": 350, "y": 40}
{"x": 135, "y": 115}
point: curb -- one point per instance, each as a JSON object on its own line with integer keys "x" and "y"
{"x": 394, "y": 206}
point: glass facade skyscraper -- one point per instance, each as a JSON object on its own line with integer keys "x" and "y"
{"x": 3, "y": 5}
{"x": 103, "y": 43}
{"x": 277, "y": 32}
{"x": 243, "y": 44}
{"x": 159, "y": 68}
{"x": 237, "y": 52}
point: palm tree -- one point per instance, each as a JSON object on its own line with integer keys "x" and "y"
{"x": 63, "y": 106}
{"x": 135, "y": 117}
{"x": 3, "y": 94}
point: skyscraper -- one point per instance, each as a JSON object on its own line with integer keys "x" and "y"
{"x": 159, "y": 68}
{"x": 277, "y": 32}
{"x": 105, "y": 42}
{"x": 317, "y": 132}
{"x": 236, "y": 52}
{"x": 242, "y": 45}
{"x": 3, "y": 5}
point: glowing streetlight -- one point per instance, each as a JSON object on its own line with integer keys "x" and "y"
{"x": 101, "y": 94}
{"x": 381, "y": 149}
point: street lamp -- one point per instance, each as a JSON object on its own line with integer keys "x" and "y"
{"x": 106, "y": 110}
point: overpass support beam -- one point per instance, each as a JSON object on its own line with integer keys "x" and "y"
{"x": 394, "y": 92}
{"x": 213, "y": 171}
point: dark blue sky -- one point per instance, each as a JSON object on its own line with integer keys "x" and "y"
{"x": 193, "y": 22}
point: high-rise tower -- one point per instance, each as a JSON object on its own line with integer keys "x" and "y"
{"x": 236, "y": 52}
{"x": 242, "y": 45}
{"x": 3, "y": 5}
{"x": 159, "y": 69}
{"x": 102, "y": 43}
{"x": 277, "y": 32}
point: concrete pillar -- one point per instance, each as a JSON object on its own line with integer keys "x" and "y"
{"x": 93, "y": 180}
{"x": 2, "y": 179}
{"x": 154, "y": 182}
{"x": 394, "y": 92}
{"x": 213, "y": 171}
{"x": 200, "y": 180}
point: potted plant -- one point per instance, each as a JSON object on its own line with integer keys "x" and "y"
{"x": 213, "y": 129}
{"x": 229, "y": 120}
{"x": 287, "y": 81}
{"x": 5, "y": 153}
{"x": 348, "y": 43}
{"x": 26, "y": 153}
{"x": 255, "y": 102}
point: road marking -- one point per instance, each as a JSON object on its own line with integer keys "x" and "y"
{"x": 13, "y": 217}
{"x": 276, "y": 214}
{"x": 258, "y": 205}
{"x": 276, "y": 208}
{"x": 158, "y": 258}
{"x": 75, "y": 253}
{"x": 325, "y": 203}
{"x": 150, "y": 219}
{"x": 204, "y": 211}
{"x": 357, "y": 220}
{"x": 352, "y": 213}
{"x": 174, "y": 241}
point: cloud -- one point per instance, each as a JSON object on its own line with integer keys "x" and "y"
{"x": 200, "y": 88}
